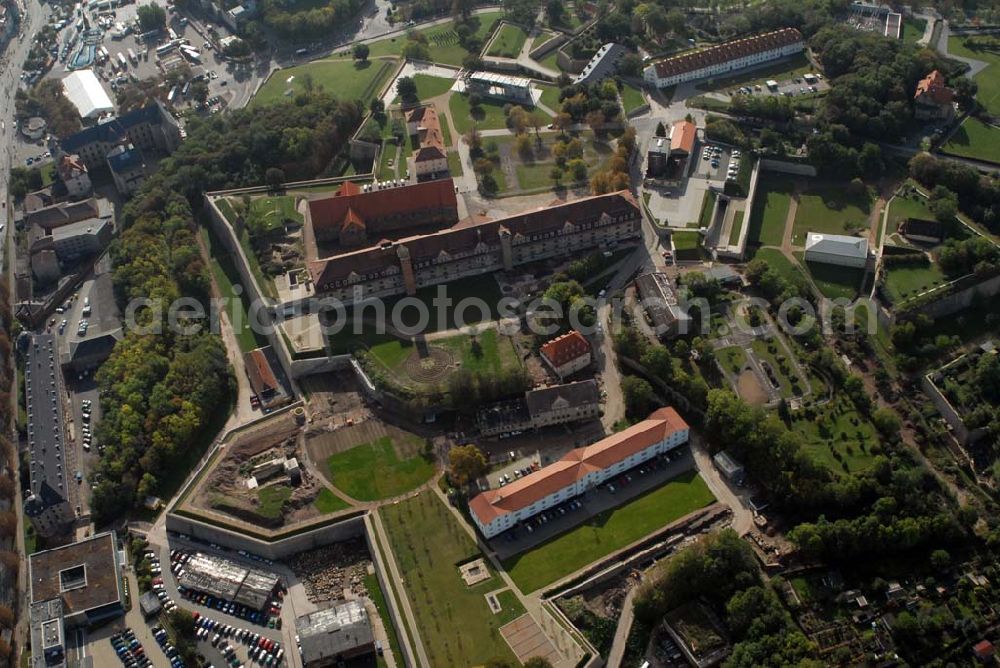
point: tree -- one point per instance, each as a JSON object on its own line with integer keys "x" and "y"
{"x": 638, "y": 395}
{"x": 462, "y": 9}
{"x": 466, "y": 463}
{"x": 151, "y": 17}
{"x": 199, "y": 91}
{"x": 661, "y": 129}
{"x": 940, "y": 559}
{"x": 578, "y": 168}
{"x": 555, "y": 11}
{"x": 406, "y": 87}
{"x": 6, "y": 617}
{"x": 183, "y": 621}
{"x": 274, "y": 178}
{"x": 943, "y": 204}
{"x": 360, "y": 52}
{"x": 415, "y": 50}
{"x": 556, "y": 175}
{"x": 887, "y": 422}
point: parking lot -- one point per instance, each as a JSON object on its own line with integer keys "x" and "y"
{"x": 622, "y": 489}
{"x": 717, "y": 163}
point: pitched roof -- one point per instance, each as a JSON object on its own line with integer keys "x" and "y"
{"x": 933, "y": 89}
{"x": 566, "y": 348}
{"x": 331, "y": 211}
{"x": 575, "y": 465}
{"x": 429, "y": 134}
{"x": 262, "y": 378}
{"x": 682, "y": 136}
{"x": 464, "y": 238}
{"x": 70, "y": 166}
{"x": 837, "y": 244}
{"x": 115, "y": 129}
{"x": 64, "y": 213}
{"x": 580, "y": 393}
{"x": 721, "y": 53}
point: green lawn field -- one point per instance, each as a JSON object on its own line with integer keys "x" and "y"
{"x": 328, "y": 502}
{"x": 732, "y": 358}
{"x": 225, "y": 275}
{"x": 975, "y": 139}
{"x": 839, "y": 438}
{"x": 428, "y": 86}
{"x": 987, "y": 49}
{"x": 835, "y": 282}
{"x": 373, "y": 471}
{"x": 490, "y": 115}
{"x": 777, "y": 356}
{"x": 345, "y": 79}
{"x": 830, "y": 209}
{"x": 550, "y": 97}
{"x": 272, "y": 499}
{"x": 776, "y": 260}
{"x": 509, "y": 41}
{"x": 631, "y": 98}
{"x": 441, "y": 40}
{"x": 271, "y": 212}
{"x": 903, "y": 282}
{"x": 901, "y": 208}
{"x": 454, "y": 621}
{"x": 737, "y": 228}
{"x": 686, "y": 240}
{"x": 608, "y": 531}
{"x": 913, "y": 29}
{"x": 770, "y": 210}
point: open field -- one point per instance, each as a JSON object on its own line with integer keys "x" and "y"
{"x": 838, "y": 437}
{"x": 770, "y": 210}
{"x": 225, "y": 275}
{"x": 631, "y": 98}
{"x": 776, "y": 260}
{"x": 913, "y": 29}
{"x": 380, "y": 469}
{"x": 829, "y": 208}
{"x": 773, "y": 352}
{"x": 455, "y": 622}
{"x": 790, "y": 68}
{"x": 835, "y": 282}
{"x": 508, "y": 42}
{"x": 489, "y": 115}
{"x": 733, "y": 358}
{"x": 328, "y": 502}
{"x": 269, "y": 213}
{"x": 903, "y": 282}
{"x": 346, "y": 79}
{"x": 429, "y": 86}
{"x": 608, "y": 531}
{"x": 737, "y": 228}
{"x": 975, "y": 139}
{"x": 987, "y": 49}
{"x": 901, "y": 208}
{"x": 441, "y": 40}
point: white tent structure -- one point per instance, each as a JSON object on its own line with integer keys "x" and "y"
{"x": 85, "y": 91}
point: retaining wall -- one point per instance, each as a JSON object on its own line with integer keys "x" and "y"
{"x": 785, "y": 167}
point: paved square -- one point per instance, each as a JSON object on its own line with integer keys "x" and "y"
{"x": 527, "y": 640}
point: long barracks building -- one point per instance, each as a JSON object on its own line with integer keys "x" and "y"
{"x": 724, "y": 58}
{"x": 478, "y": 247}
{"x": 581, "y": 469}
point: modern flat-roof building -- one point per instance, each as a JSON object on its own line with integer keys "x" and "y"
{"x": 581, "y": 469}
{"x": 503, "y": 87}
{"x": 724, "y": 58}
{"x": 47, "y": 504}
{"x": 837, "y": 249}
{"x": 566, "y": 354}
{"x": 48, "y": 639}
{"x": 229, "y": 581}
{"x": 602, "y": 65}
{"x": 334, "y": 635}
{"x": 85, "y": 576}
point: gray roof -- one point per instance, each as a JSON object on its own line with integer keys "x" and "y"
{"x": 65, "y": 213}
{"x": 228, "y": 580}
{"x": 333, "y": 632}
{"x": 837, "y": 244}
{"x": 48, "y": 479}
{"x": 46, "y": 626}
{"x": 726, "y": 463}
{"x": 149, "y": 604}
{"x": 580, "y": 393}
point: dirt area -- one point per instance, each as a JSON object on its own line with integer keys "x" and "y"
{"x": 749, "y": 388}
{"x": 322, "y": 442}
{"x": 334, "y": 399}
{"x": 331, "y": 572}
{"x": 282, "y": 497}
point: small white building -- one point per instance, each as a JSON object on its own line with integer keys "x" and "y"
{"x": 838, "y": 249}
{"x": 87, "y": 94}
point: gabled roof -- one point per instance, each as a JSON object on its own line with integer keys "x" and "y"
{"x": 566, "y": 348}
{"x": 682, "y": 136}
{"x": 933, "y": 89}
{"x": 580, "y": 393}
{"x": 575, "y": 465}
{"x": 837, "y": 244}
{"x": 114, "y": 129}
{"x": 331, "y": 211}
{"x": 715, "y": 55}
{"x": 64, "y": 213}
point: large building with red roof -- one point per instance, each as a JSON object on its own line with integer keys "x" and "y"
{"x": 389, "y": 267}
{"x": 933, "y": 100}
{"x": 724, "y": 58}
{"x": 581, "y": 469}
{"x": 431, "y": 159}
{"x": 567, "y": 354}
{"x": 354, "y": 217}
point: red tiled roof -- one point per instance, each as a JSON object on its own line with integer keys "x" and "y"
{"x": 566, "y": 348}
{"x": 259, "y": 371}
{"x": 332, "y": 212}
{"x": 463, "y": 238}
{"x": 715, "y": 55}
{"x": 682, "y": 137}
{"x": 932, "y": 89}
{"x": 429, "y": 133}
{"x": 575, "y": 465}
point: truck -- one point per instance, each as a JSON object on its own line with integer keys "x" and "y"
{"x": 121, "y": 61}
{"x": 131, "y": 56}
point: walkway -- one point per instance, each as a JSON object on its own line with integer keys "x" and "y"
{"x": 619, "y": 644}
{"x": 975, "y": 66}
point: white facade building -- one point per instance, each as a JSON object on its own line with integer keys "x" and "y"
{"x": 581, "y": 469}
{"x": 724, "y": 58}
{"x": 837, "y": 249}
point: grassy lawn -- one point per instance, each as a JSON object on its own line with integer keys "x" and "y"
{"x": 903, "y": 282}
{"x": 430, "y": 86}
{"x": 535, "y": 175}
{"x": 225, "y": 275}
{"x": 455, "y": 622}
{"x": 773, "y": 352}
{"x": 346, "y": 79}
{"x": 442, "y": 40}
{"x": 913, "y": 29}
{"x": 707, "y": 206}
{"x": 737, "y": 228}
{"x": 272, "y": 499}
{"x": 975, "y": 139}
{"x": 271, "y": 212}
{"x": 684, "y": 240}
{"x": 608, "y": 531}
{"x": 631, "y": 98}
{"x": 486, "y": 352}
{"x": 541, "y": 39}
{"x": 782, "y": 71}
{"x": 375, "y": 470}
{"x": 732, "y": 358}
{"x": 377, "y": 596}
{"x": 389, "y": 152}
{"x": 901, "y": 208}
{"x": 551, "y": 61}
{"x": 328, "y": 502}
{"x": 509, "y": 41}
{"x": 776, "y": 260}
{"x": 770, "y": 210}
{"x": 835, "y": 282}
{"x": 830, "y": 209}
{"x": 489, "y": 115}
{"x": 550, "y": 97}
{"x": 838, "y": 437}
{"x": 455, "y": 163}
{"x": 987, "y": 49}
